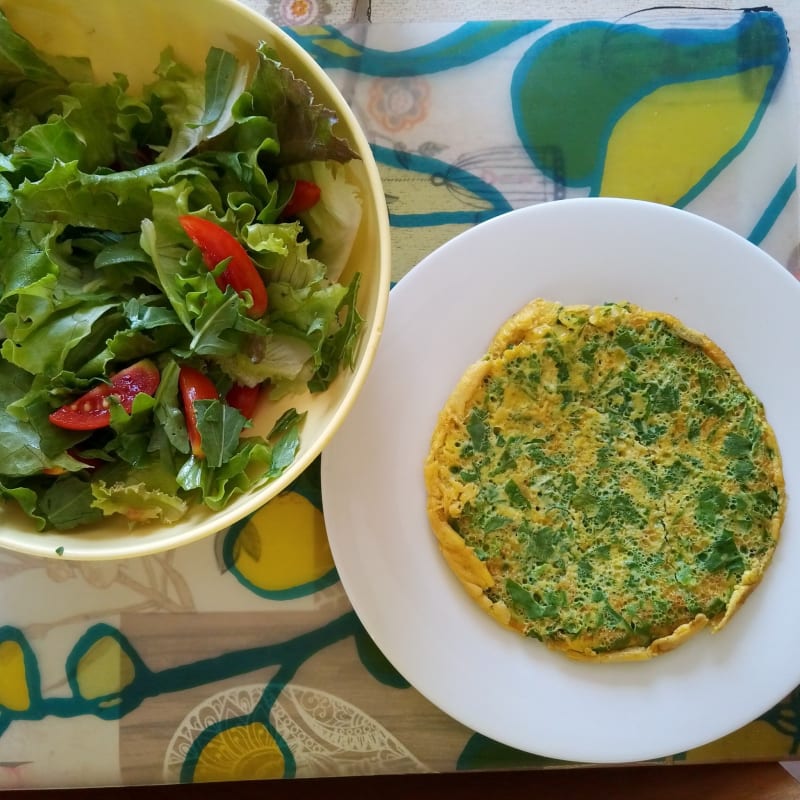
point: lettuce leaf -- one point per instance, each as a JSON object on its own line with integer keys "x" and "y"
{"x": 278, "y": 358}
{"x": 27, "y": 446}
{"x": 116, "y": 201}
{"x": 136, "y": 501}
{"x": 304, "y": 128}
{"x": 20, "y": 62}
{"x": 96, "y": 273}
{"x": 197, "y": 107}
{"x": 333, "y": 222}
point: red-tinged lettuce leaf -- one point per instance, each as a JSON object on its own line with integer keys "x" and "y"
{"x": 304, "y": 127}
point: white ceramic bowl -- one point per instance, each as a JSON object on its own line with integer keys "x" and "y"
{"x": 128, "y": 36}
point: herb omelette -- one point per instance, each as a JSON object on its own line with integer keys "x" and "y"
{"x": 604, "y": 481}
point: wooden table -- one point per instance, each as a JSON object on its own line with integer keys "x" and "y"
{"x": 768, "y": 781}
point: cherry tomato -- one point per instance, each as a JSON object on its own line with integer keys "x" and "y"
{"x": 91, "y": 411}
{"x": 216, "y": 244}
{"x": 305, "y": 195}
{"x": 243, "y": 398}
{"x": 194, "y": 385}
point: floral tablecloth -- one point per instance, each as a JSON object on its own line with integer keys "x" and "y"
{"x": 240, "y": 656}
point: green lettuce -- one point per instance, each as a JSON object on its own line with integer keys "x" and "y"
{"x": 96, "y": 273}
{"x": 332, "y": 225}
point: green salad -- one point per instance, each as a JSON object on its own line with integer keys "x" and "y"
{"x": 167, "y": 258}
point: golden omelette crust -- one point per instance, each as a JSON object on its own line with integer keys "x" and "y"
{"x": 604, "y": 481}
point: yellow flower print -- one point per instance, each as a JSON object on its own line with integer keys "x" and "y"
{"x": 14, "y": 692}
{"x": 241, "y": 752}
{"x": 282, "y": 551}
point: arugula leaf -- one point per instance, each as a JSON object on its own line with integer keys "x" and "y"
{"x": 338, "y": 350}
{"x": 710, "y": 502}
{"x": 220, "y": 426}
{"x": 223, "y": 72}
{"x": 285, "y": 440}
{"x": 737, "y": 445}
{"x": 515, "y": 495}
{"x": 22, "y": 450}
{"x": 288, "y": 420}
{"x": 168, "y": 412}
{"x": 68, "y": 503}
{"x": 541, "y": 543}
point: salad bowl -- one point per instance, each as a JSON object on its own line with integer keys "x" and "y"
{"x": 130, "y": 38}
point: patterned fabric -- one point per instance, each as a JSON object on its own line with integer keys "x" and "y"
{"x": 240, "y": 656}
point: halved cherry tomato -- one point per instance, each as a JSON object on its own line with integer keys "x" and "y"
{"x": 216, "y": 244}
{"x": 305, "y": 195}
{"x": 194, "y": 385}
{"x": 91, "y": 411}
{"x": 243, "y": 398}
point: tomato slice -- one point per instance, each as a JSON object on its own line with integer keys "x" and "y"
{"x": 216, "y": 244}
{"x": 243, "y": 398}
{"x": 305, "y": 195}
{"x": 194, "y": 385}
{"x": 91, "y": 411}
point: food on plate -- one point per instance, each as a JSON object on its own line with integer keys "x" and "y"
{"x": 169, "y": 260}
{"x": 604, "y": 481}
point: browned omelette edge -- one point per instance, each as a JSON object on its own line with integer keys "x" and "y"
{"x": 473, "y": 573}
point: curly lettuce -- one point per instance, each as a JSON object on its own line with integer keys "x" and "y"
{"x": 96, "y": 273}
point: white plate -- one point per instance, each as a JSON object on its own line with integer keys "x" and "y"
{"x": 441, "y": 319}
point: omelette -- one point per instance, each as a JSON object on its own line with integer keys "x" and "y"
{"x": 603, "y": 480}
